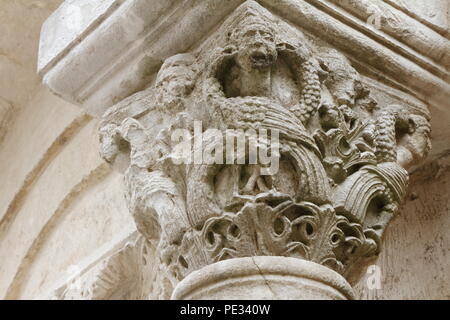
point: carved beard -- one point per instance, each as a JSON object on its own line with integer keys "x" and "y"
{"x": 258, "y": 56}
{"x": 169, "y": 102}
{"x": 170, "y": 96}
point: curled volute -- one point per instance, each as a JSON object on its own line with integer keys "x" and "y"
{"x": 344, "y": 147}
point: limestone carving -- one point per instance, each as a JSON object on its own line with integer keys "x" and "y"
{"x": 344, "y": 150}
{"x": 125, "y": 274}
{"x": 5, "y": 115}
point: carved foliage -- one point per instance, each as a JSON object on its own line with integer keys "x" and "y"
{"x": 343, "y": 151}
{"x": 125, "y": 274}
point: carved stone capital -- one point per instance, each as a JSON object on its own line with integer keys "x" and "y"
{"x": 345, "y": 143}
{"x": 341, "y": 118}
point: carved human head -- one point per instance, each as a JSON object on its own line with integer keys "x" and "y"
{"x": 175, "y": 80}
{"x": 254, "y": 37}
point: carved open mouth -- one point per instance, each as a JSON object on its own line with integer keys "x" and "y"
{"x": 260, "y": 59}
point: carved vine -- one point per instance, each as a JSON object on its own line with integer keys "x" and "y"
{"x": 344, "y": 151}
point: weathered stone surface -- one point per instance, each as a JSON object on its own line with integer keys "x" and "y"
{"x": 433, "y": 12}
{"x": 264, "y": 278}
{"x": 350, "y": 102}
{"x": 75, "y": 19}
{"x": 414, "y": 261}
{"x": 5, "y": 116}
{"x": 117, "y": 52}
{"x": 345, "y": 142}
{"x": 21, "y": 21}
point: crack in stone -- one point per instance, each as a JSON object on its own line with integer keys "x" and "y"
{"x": 265, "y": 280}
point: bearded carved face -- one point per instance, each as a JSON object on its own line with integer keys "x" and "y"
{"x": 175, "y": 80}
{"x": 256, "y": 47}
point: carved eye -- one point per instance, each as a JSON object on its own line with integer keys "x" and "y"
{"x": 267, "y": 36}
{"x": 250, "y": 33}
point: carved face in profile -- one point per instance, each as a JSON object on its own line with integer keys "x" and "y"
{"x": 256, "y": 46}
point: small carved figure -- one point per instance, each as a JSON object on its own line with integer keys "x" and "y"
{"x": 343, "y": 152}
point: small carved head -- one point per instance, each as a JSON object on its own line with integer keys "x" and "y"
{"x": 329, "y": 116}
{"x": 175, "y": 80}
{"x": 255, "y": 40}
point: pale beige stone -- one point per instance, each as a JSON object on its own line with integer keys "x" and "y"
{"x": 264, "y": 278}
{"x": 345, "y": 144}
{"x": 5, "y": 117}
{"x": 433, "y": 12}
{"x": 21, "y": 22}
{"x": 353, "y": 103}
{"x": 104, "y": 68}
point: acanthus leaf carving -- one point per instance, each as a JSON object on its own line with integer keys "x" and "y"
{"x": 344, "y": 147}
